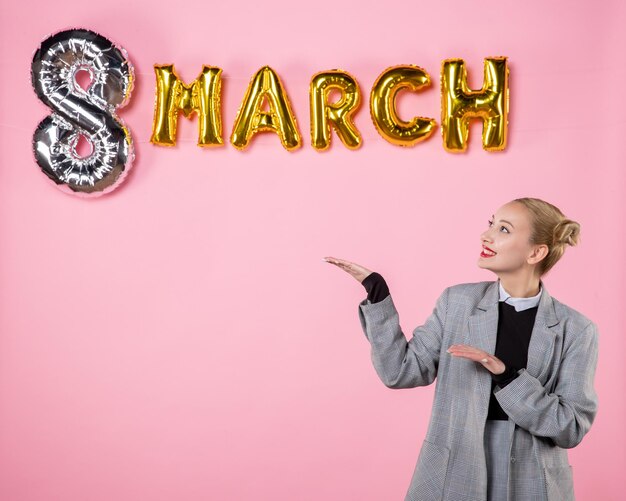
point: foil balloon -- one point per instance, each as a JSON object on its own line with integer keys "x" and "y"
{"x": 383, "y": 105}
{"x": 459, "y": 104}
{"x": 201, "y": 96}
{"x": 338, "y": 114}
{"x": 265, "y": 86}
{"x": 77, "y": 112}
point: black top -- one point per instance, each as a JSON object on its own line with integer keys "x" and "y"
{"x": 514, "y": 331}
{"x": 376, "y": 287}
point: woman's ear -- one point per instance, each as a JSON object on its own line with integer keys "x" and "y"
{"x": 538, "y": 253}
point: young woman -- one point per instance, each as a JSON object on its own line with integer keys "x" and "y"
{"x": 515, "y": 367}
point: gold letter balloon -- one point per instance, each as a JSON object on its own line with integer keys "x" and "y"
{"x": 338, "y": 114}
{"x": 201, "y": 96}
{"x": 383, "y": 106}
{"x": 459, "y": 104}
{"x": 265, "y": 86}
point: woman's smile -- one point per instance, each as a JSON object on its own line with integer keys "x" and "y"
{"x": 487, "y": 252}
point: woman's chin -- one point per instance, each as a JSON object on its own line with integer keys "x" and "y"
{"x": 482, "y": 264}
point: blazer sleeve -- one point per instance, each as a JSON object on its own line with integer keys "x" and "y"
{"x": 402, "y": 364}
{"x": 566, "y": 415}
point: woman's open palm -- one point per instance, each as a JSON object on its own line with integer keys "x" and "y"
{"x": 356, "y": 270}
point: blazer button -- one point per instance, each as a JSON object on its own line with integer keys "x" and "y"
{"x": 512, "y": 460}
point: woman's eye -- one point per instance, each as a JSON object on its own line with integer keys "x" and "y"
{"x": 490, "y": 222}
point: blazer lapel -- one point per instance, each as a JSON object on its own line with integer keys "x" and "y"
{"x": 543, "y": 337}
{"x": 483, "y": 331}
{"x": 483, "y": 323}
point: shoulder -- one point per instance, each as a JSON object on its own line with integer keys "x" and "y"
{"x": 466, "y": 295}
{"x": 572, "y": 319}
{"x": 469, "y": 291}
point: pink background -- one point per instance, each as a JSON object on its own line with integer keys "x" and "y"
{"x": 181, "y": 337}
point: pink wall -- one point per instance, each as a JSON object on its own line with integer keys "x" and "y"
{"x": 181, "y": 337}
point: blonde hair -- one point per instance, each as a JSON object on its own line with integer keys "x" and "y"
{"x": 550, "y": 227}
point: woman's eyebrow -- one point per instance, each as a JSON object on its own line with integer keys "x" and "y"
{"x": 503, "y": 221}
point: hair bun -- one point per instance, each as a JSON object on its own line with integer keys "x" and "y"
{"x": 566, "y": 232}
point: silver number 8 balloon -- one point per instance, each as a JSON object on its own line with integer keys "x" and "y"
{"x": 77, "y": 112}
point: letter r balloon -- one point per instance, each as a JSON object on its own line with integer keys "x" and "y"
{"x": 338, "y": 114}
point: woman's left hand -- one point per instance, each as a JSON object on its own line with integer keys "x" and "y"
{"x": 490, "y": 362}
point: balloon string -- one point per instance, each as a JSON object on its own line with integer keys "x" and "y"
{"x": 606, "y": 125}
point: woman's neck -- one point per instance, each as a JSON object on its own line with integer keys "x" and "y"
{"x": 521, "y": 287}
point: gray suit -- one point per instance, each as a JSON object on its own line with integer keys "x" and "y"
{"x": 551, "y": 404}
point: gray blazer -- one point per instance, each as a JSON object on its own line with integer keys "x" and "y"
{"x": 551, "y": 403}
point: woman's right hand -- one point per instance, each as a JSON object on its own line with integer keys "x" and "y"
{"x": 356, "y": 270}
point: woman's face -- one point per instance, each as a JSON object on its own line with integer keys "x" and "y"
{"x": 508, "y": 235}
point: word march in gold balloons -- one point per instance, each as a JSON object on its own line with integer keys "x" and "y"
{"x": 459, "y": 104}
